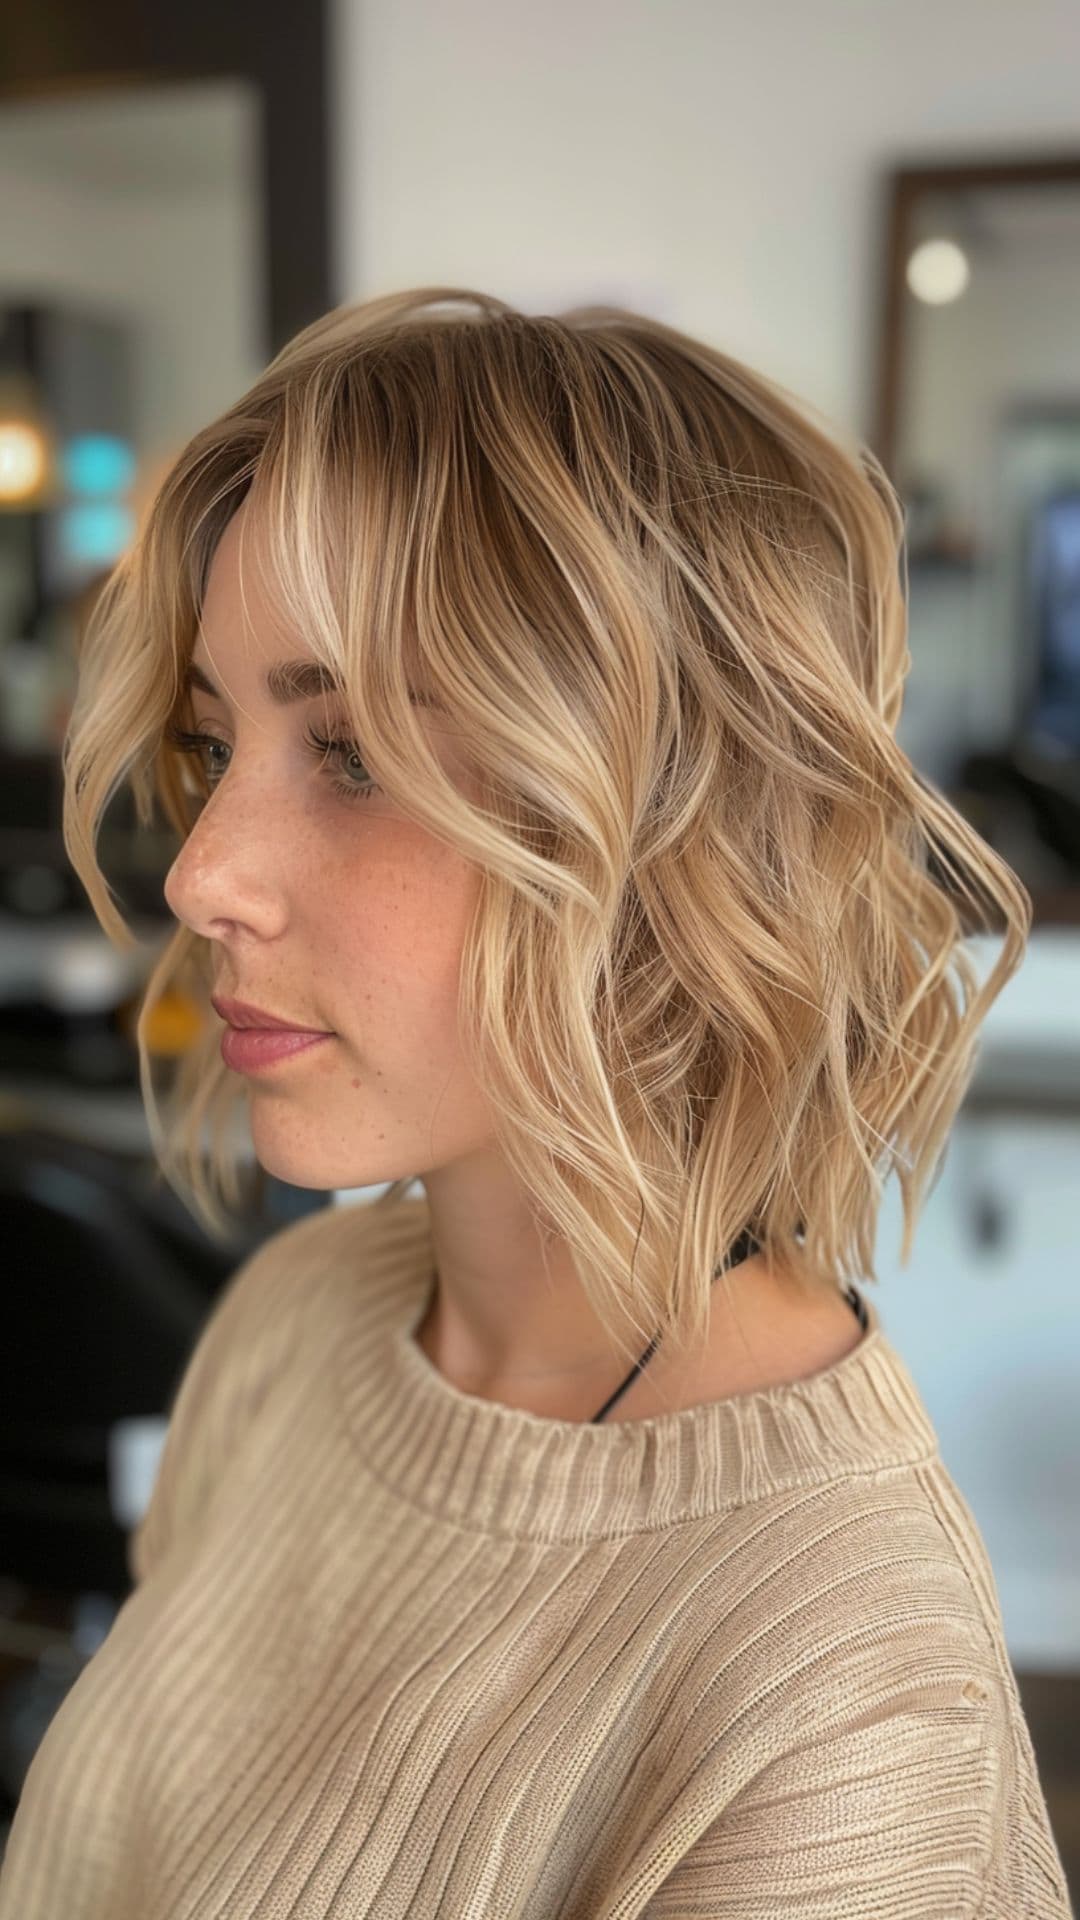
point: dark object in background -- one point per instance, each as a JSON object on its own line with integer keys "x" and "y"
{"x": 1018, "y": 785}
{"x": 1051, "y": 724}
{"x": 1028, "y": 789}
{"x": 80, "y": 365}
{"x": 109, "y": 1282}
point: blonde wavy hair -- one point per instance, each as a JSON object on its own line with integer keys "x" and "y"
{"x": 717, "y": 977}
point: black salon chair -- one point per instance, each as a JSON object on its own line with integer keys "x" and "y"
{"x": 107, "y": 1290}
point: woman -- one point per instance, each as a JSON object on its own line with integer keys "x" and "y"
{"x": 523, "y": 690}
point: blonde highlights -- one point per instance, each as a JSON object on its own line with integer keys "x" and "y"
{"x": 717, "y": 976}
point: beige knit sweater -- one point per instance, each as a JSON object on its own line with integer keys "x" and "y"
{"x": 394, "y": 1649}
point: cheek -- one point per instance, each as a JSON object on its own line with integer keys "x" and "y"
{"x": 394, "y": 951}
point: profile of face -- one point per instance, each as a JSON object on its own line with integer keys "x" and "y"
{"x": 329, "y": 910}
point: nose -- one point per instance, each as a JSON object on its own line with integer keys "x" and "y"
{"x": 228, "y": 871}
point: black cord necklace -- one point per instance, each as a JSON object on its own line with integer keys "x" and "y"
{"x": 744, "y": 1246}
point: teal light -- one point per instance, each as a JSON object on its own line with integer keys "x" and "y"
{"x": 98, "y": 463}
{"x": 97, "y": 534}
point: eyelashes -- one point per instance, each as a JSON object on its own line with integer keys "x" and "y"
{"x": 352, "y": 789}
{"x": 328, "y": 749}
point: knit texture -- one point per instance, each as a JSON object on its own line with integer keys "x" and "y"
{"x": 394, "y": 1649}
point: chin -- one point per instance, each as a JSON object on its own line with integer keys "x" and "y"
{"x": 285, "y": 1154}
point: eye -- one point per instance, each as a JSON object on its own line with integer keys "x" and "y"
{"x": 193, "y": 743}
{"x": 358, "y": 788}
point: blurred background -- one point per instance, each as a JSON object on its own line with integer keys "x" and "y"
{"x": 879, "y": 208}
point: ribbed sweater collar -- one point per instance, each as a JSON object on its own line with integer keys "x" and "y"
{"x": 492, "y": 1469}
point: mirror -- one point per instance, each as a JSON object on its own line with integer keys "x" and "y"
{"x": 168, "y": 215}
{"x": 131, "y": 310}
{"x": 979, "y": 430}
{"x": 167, "y": 224}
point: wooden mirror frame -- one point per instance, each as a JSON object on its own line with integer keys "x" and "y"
{"x": 904, "y": 187}
{"x": 60, "y": 48}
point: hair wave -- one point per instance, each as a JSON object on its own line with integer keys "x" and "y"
{"x": 717, "y": 977}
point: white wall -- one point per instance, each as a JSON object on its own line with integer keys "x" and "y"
{"x": 721, "y": 166}
{"x": 716, "y": 161}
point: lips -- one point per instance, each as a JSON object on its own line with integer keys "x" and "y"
{"x": 251, "y": 1049}
{"x": 242, "y": 1014}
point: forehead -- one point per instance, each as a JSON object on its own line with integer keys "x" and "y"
{"x": 237, "y": 602}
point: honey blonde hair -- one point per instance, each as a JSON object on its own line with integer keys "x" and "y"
{"x": 717, "y": 976}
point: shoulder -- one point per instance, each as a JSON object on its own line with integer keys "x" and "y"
{"x": 823, "y": 1605}
{"x": 290, "y": 1277}
{"x": 274, "y": 1303}
{"x": 853, "y": 1686}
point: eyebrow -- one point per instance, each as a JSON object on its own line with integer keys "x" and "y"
{"x": 290, "y": 680}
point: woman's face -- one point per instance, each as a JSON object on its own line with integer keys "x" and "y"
{"x": 331, "y": 912}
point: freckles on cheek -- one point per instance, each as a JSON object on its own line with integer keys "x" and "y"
{"x": 397, "y": 962}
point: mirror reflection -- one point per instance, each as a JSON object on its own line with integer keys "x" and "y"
{"x": 987, "y": 459}
{"x": 131, "y": 310}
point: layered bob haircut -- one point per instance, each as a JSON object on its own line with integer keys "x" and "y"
{"x": 717, "y": 976}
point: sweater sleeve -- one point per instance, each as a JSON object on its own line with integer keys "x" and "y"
{"x": 912, "y": 1811}
{"x": 244, "y": 1343}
